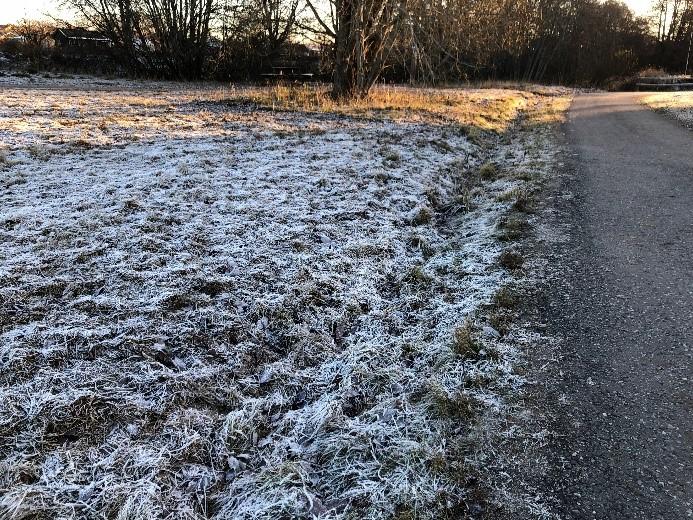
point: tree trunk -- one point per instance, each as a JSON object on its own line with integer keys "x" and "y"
{"x": 366, "y": 30}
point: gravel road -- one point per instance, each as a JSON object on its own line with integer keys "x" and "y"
{"x": 623, "y": 307}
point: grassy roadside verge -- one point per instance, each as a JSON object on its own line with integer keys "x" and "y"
{"x": 510, "y": 437}
{"x": 678, "y": 105}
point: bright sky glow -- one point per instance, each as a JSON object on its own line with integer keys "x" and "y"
{"x": 641, "y": 7}
{"x": 13, "y": 10}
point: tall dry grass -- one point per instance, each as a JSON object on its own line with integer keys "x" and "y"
{"x": 489, "y": 109}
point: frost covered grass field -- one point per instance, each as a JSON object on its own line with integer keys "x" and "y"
{"x": 227, "y": 303}
{"x": 678, "y": 105}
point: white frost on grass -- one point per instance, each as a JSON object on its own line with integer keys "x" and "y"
{"x": 253, "y": 323}
{"x": 678, "y": 105}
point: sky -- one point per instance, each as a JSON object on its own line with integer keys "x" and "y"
{"x": 13, "y": 10}
{"x": 640, "y": 6}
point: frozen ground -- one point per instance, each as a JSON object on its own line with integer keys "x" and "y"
{"x": 210, "y": 310}
{"x": 676, "y": 104}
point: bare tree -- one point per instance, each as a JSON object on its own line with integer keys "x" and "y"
{"x": 674, "y": 33}
{"x": 167, "y": 36}
{"x": 122, "y": 22}
{"x": 532, "y": 40}
{"x": 180, "y": 30}
{"x": 278, "y": 21}
{"x": 364, "y": 33}
{"x": 35, "y": 37}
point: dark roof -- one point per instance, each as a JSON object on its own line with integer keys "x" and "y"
{"x": 79, "y": 33}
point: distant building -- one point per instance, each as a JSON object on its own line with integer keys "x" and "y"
{"x": 77, "y": 39}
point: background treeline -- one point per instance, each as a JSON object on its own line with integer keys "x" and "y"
{"x": 672, "y": 23}
{"x": 357, "y": 42}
